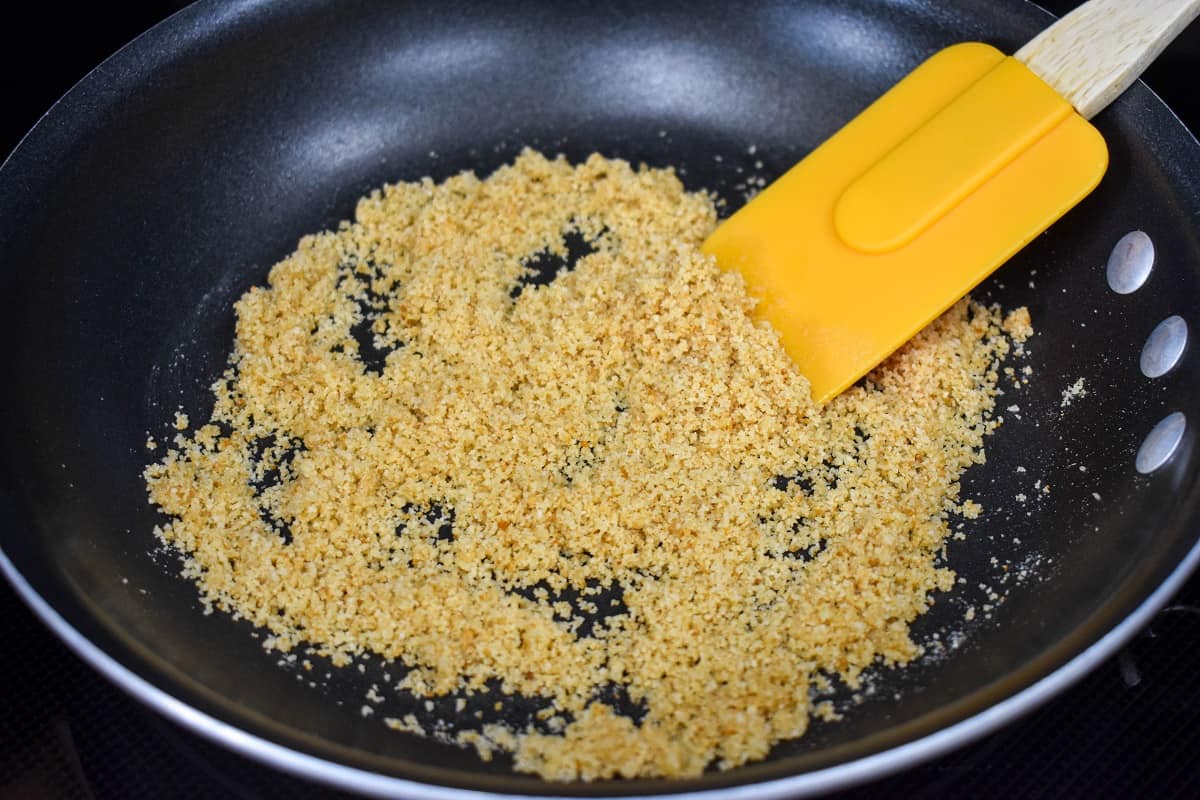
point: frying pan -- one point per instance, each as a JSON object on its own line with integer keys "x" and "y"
{"x": 170, "y": 179}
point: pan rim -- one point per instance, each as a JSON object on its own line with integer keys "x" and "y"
{"x": 838, "y": 776}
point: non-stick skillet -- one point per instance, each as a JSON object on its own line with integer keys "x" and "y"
{"x": 171, "y": 178}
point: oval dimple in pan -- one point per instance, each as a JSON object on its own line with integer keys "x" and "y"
{"x": 1164, "y": 347}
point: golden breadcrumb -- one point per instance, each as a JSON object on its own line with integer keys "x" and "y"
{"x": 612, "y": 482}
{"x": 1018, "y": 325}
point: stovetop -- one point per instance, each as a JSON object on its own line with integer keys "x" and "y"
{"x": 1130, "y": 729}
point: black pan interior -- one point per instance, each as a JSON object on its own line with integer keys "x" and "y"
{"x": 169, "y": 180}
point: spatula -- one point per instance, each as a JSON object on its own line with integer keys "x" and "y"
{"x": 935, "y": 185}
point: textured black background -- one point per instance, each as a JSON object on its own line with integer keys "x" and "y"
{"x": 1132, "y": 728}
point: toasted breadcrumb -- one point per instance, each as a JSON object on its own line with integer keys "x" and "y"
{"x": 1018, "y": 325}
{"x": 406, "y": 724}
{"x": 420, "y": 450}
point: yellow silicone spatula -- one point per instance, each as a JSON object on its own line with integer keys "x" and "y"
{"x": 935, "y": 185}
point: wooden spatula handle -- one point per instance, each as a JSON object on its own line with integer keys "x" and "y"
{"x": 1095, "y": 52}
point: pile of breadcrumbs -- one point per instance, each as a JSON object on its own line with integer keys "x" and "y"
{"x": 424, "y": 450}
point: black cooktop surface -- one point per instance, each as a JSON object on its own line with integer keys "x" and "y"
{"x": 1132, "y": 728}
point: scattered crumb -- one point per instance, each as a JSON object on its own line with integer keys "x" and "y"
{"x": 1018, "y": 324}
{"x": 406, "y": 724}
{"x": 1073, "y": 392}
{"x": 825, "y": 711}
